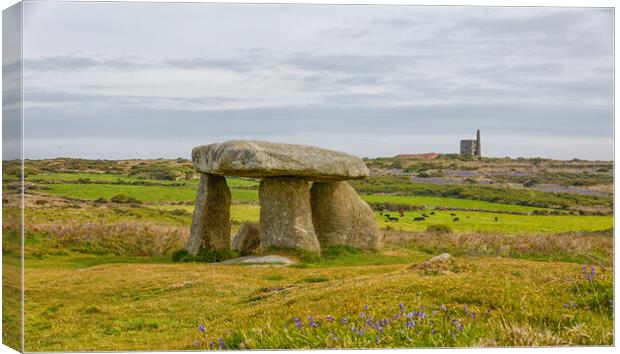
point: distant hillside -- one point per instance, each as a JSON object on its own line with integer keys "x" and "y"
{"x": 426, "y": 156}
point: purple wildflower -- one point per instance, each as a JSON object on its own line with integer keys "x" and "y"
{"x": 377, "y": 338}
{"x": 443, "y": 307}
{"x": 402, "y": 308}
{"x": 434, "y": 312}
{"x": 473, "y": 315}
{"x": 454, "y": 322}
{"x": 592, "y": 272}
{"x": 460, "y": 327}
{"x": 329, "y": 318}
{"x": 298, "y": 322}
{"x": 410, "y": 315}
{"x": 222, "y": 344}
{"x": 344, "y": 320}
{"x": 195, "y": 342}
{"x": 311, "y": 322}
{"x": 201, "y": 327}
{"x": 361, "y": 332}
{"x": 211, "y": 345}
{"x": 366, "y": 307}
{"x": 565, "y": 306}
{"x": 433, "y": 331}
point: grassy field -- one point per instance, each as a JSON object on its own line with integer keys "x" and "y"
{"x": 99, "y": 276}
{"x": 432, "y": 202}
{"x": 143, "y": 193}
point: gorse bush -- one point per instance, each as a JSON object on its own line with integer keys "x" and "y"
{"x": 438, "y": 229}
{"x": 124, "y": 199}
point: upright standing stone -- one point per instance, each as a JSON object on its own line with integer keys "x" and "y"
{"x": 211, "y": 221}
{"x": 286, "y": 215}
{"x": 340, "y": 217}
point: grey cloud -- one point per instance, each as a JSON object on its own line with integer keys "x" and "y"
{"x": 395, "y": 22}
{"x": 64, "y": 63}
{"x": 349, "y": 63}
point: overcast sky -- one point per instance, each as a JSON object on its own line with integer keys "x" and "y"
{"x": 145, "y": 80}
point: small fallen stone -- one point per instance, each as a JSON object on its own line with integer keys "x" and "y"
{"x": 441, "y": 264}
{"x": 272, "y": 259}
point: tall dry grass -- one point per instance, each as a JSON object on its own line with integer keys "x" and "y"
{"x": 128, "y": 238}
{"x": 595, "y": 248}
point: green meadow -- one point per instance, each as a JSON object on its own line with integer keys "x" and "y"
{"x": 99, "y": 275}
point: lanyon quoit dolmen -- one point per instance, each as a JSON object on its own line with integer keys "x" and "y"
{"x": 305, "y": 201}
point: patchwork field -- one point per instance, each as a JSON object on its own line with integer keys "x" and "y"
{"x": 99, "y": 274}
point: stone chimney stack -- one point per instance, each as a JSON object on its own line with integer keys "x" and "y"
{"x": 478, "y": 146}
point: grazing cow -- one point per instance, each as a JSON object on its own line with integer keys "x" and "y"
{"x": 455, "y": 219}
{"x": 496, "y": 219}
{"x": 418, "y": 218}
{"x": 452, "y": 214}
{"x": 425, "y": 215}
{"x": 393, "y": 219}
{"x": 432, "y": 213}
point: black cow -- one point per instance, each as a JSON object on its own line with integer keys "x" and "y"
{"x": 455, "y": 219}
{"x": 452, "y": 214}
{"x": 425, "y": 215}
{"x": 418, "y": 218}
{"x": 432, "y": 213}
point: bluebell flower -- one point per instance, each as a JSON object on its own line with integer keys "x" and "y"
{"x": 211, "y": 345}
{"x": 298, "y": 322}
{"x": 410, "y": 315}
{"x": 366, "y": 307}
{"x": 329, "y": 318}
{"x": 222, "y": 344}
{"x": 201, "y": 327}
{"x": 460, "y": 327}
{"x": 402, "y": 308}
{"x": 311, "y": 322}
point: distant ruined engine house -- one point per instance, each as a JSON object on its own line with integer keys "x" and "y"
{"x": 471, "y": 147}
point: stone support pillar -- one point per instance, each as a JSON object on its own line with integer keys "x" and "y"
{"x": 211, "y": 221}
{"x": 286, "y": 215}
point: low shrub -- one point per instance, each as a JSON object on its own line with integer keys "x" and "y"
{"x": 204, "y": 255}
{"x": 124, "y": 199}
{"x": 438, "y": 229}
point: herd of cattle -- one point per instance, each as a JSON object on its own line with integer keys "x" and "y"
{"x": 422, "y": 217}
